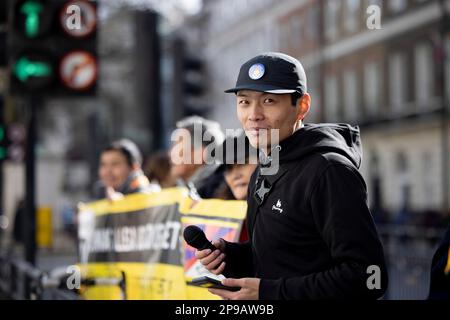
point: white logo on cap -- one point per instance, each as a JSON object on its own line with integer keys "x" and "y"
{"x": 256, "y": 71}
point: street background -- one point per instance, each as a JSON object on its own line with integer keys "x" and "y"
{"x": 382, "y": 65}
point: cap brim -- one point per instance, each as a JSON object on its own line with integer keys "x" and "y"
{"x": 261, "y": 88}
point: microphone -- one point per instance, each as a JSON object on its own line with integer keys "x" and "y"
{"x": 196, "y": 238}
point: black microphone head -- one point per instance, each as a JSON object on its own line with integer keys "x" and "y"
{"x": 196, "y": 238}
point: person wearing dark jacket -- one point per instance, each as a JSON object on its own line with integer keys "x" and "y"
{"x": 440, "y": 270}
{"x": 311, "y": 233}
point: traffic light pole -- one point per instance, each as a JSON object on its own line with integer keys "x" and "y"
{"x": 444, "y": 109}
{"x": 29, "y": 220}
{"x": 2, "y": 213}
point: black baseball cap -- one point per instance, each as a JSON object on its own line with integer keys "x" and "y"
{"x": 272, "y": 72}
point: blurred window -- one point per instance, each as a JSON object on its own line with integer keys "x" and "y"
{"x": 428, "y": 179}
{"x": 372, "y": 88}
{"x": 396, "y": 6}
{"x": 403, "y": 179}
{"x": 424, "y": 74}
{"x": 312, "y": 24}
{"x": 313, "y": 89}
{"x": 352, "y": 15}
{"x": 296, "y": 35}
{"x": 331, "y": 98}
{"x": 351, "y": 95}
{"x": 374, "y": 164}
{"x": 284, "y": 35}
{"x": 401, "y": 163}
{"x": 397, "y": 81}
{"x": 332, "y": 10}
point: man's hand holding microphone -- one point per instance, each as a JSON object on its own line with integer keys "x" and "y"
{"x": 212, "y": 257}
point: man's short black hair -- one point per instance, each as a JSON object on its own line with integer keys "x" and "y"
{"x": 295, "y": 97}
{"x": 128, "y": 148}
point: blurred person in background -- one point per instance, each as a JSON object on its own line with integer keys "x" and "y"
{"x": 18, "y": 221}
{"x": 120, "y": 171}
{"x": 192, "y": 139}
{"x": 440, "y": 270}
{"x": 158, "y": 170}
{"x": 238, "y": 169}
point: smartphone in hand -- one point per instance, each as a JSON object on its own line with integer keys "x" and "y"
{"x": 207, "y": 282}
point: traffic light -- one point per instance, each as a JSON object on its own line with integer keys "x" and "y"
{"x": 3, "y": 142}
{"x": 193, "y": 76}
{"x": 3, "y": 137}
{"x": 52, "y": 47}
{"x": 12, "y": 138}
{"x": 16, "y": 138}
{"x": 12, "y": 142}
{"x": 188, "y": 81}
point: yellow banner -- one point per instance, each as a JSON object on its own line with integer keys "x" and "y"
{"x": 133, "y": 248}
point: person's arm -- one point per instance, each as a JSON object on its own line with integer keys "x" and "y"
{"x": 339, "y": 206}
{"x": 233, "y": 260}
{"x": 238, "y": 260}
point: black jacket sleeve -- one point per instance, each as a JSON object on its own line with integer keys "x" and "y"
{"x": 339, "y": 206}
{"x": 238, "y": 260}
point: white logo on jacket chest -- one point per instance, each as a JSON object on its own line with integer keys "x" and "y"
{"x": 277, "y": 206}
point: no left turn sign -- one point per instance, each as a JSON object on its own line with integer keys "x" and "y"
{"x": 78, "y": 70}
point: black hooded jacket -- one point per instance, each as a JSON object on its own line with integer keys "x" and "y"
{"x": 312, "y": 235}
{"x": 440, "y": 276}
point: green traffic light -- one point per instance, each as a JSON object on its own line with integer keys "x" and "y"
{"x": 2, "y": 153}
{"x": 31, "y": 9}
{"x": 2, "y": 133}
{"x": 25, "y": 69}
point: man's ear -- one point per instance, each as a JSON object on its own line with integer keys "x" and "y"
{"x": 303, "y": 106}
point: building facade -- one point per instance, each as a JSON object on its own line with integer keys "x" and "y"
{"x": 372, "y": 63}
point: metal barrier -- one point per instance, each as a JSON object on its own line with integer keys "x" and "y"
{"x": 119, "y": 282}
{"x": 409, "y": 251}
{"x": 19, "y": 280}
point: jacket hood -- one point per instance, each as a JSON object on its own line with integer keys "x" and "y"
{"x": 340, "y": 138}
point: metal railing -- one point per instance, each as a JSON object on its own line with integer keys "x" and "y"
{"x": 19, "y": 280}
{"x": 409, "y": 251}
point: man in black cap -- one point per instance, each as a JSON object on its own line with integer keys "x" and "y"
{"x": 311, "y": 233}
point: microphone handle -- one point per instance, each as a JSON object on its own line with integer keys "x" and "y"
{"x": 210, "y": 246}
